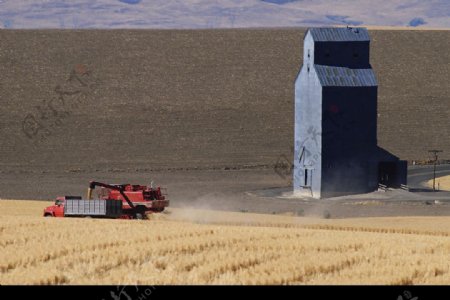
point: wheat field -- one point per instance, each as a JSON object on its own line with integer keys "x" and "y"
{"x": 209, "y": 247}
{"x": 442, "y": 183}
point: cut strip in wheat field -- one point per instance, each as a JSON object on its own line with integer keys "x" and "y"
{"x": 211, "y": 247}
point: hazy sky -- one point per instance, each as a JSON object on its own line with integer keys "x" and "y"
{"x": 220, "y": 13}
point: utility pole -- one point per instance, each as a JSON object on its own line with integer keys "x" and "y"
{"x": 435, "y": 153}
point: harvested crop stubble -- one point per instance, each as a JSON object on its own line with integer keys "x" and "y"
{"x": 168, "y": 249}
{"x": 442, "y": 183}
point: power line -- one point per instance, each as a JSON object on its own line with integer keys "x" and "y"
{"x": 435, "y": 153}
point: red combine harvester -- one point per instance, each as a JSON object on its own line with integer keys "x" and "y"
{"x": 124, "y": 201}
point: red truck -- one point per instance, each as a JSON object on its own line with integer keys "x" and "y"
{"x": 136, "y": 202}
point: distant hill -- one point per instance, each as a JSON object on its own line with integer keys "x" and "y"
{"x": 190, "y": 14}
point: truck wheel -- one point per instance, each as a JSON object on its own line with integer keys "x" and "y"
{"x": 48, "y": 215}
{"x": 139, "y": 216}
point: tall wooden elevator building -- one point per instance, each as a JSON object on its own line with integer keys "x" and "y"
{"x": 336, "y": 150}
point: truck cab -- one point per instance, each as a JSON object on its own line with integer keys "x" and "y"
{"x": 57, "y": 209}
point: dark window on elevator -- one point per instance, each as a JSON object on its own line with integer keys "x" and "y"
{"x": 307, "y": 68}
{"x": 308, "y": 54}
{"x": 306, "y": 177}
